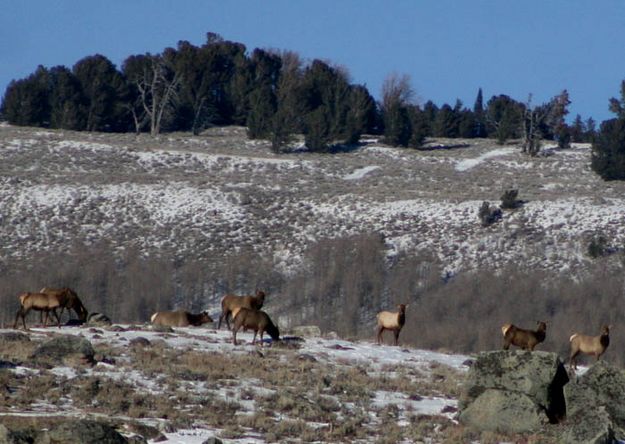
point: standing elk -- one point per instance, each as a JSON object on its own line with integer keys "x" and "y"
{"x": 39, "y": 302}
{"x": 393, "y": 321}
{"x": 230, "y": 304}
{"x": 589, "y": 345}
{"x": 525, "y": 339}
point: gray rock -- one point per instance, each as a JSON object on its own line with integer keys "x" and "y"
{"x": 586, "y": 422}
{"x": 98, "y": 320}
{"x": 14, "y": 336}
{"x": 538, "y": 375}
{"x": 65, "y": 349}
{"x": 504, "y": 411}
{"x": 306, "y": 331}
{"x": 513, "y": 391}
{"x": 213, "y": 440}
{"x": 600, "y": 389}
{"x": 69, "y": 431}
{"x": 85, "y": 432}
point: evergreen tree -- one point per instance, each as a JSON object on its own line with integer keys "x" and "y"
{"x": 577, "y": 129}
{"x": 608, "y": 150}
{"x": 68, "y": 103}
{"x": 447, "y": 120}
{"x": 504, "y": 117}
{"x": 479, "y": 117}
{"x": 27, "y": 101}
{"x": 105, "y": 90}
{"x": 290, "y": 104}
{"x": 265, "y": 75}
{"x": 419, "y": 127}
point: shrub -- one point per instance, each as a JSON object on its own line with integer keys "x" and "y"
{"x": 598, "y": 246}
{"x": 509, "y": 200}
{"x": 489, "y": 215}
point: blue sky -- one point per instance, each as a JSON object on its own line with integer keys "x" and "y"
{"x": 449, "y": 48}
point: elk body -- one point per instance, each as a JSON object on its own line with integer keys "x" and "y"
{"x": 230, "y": 304}
{"x": 68, "y": 299}
{"x": 180, "y": 318}
{"x": 256, "y": 320}
{"x": 393, "y": 321}
{"x": 525, "y": 339}
{"x": 42, "y": 302}
{"x": 589, "y": 345}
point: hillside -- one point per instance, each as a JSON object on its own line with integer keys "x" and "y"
{"x": 190, "y": 384}
{"x": 219, "y": 192}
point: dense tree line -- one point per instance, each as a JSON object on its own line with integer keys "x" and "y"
{"x": 274, "y": 94}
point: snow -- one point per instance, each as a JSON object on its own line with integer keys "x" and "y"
{"x": 361, "y": 172}
{"x": 467, "y": 164}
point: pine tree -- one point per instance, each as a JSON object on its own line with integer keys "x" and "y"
{"x": 608, "y": 150}
{"x": 105, "y": 91}
{"x": 68, "y": 103}
{"x": 478, "y": 116}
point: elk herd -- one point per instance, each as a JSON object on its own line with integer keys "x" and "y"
{"x": 245, "y": 312}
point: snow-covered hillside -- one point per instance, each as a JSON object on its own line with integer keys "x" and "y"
{"x": 215, "y": 193}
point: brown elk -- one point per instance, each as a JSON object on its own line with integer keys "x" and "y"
{"x": 590, "y": 345}
{"x": 256, "y": 320}
{"x": 393, "y": 321}
{"x": 230, "y": 304}
{"x": 180, "y": 318}
{"x": 40, "y": 302}
{"x": 525, "y": 339}
{"x": 69, "y": 300}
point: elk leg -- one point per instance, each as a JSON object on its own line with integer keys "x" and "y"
{"x": 380, "y": 331}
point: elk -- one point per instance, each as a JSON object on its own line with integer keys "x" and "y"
{"x": 393, "y": 321}
{"x": 40, "y": 302}
{"x": 525, "y": 339}
{"x": 230, "y": 303}
{"x": 257, "y": 320}
{"x": 180, "y": 318}
{"x": 589, "y": 345}
{"x": 69, "y": 300}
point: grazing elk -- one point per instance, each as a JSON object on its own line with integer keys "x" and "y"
{"x": 230, "y": 303}
{"x": 525, "y": 339}
{"x": 42, "y": 302}
{"x": 393, "y": 321}
{"x": 180, "y": 318}
{"x": 256, "y": 320}
{"x": 69, "y": 300}
{"x": 589, "y": 345}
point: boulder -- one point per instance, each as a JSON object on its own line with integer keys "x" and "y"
{"x": 586, "y": 421}
{"x": 86, "y": 432}
{"x": 504, "y": 411}
{"x": 98, "y": 320}
{"x": 82, "y": 431}
{"x": 64, "y": 350}
{"x": 307, "y": 331}
{"x": 14, "y": 336}
{"x": 514, "y": 391}
{"x": 599, "y": 392}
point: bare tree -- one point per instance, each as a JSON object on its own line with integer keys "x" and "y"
{"x": 157, "y": 86}
{"x": 548, "y": 117}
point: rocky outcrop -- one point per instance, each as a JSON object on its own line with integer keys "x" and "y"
{"x": 595, "y": 408}
{"x": 64, "y": 350}
{"x": 68, "y": 431}
{"x": 517, "y": 392}
{"x": 514, "y": 391}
